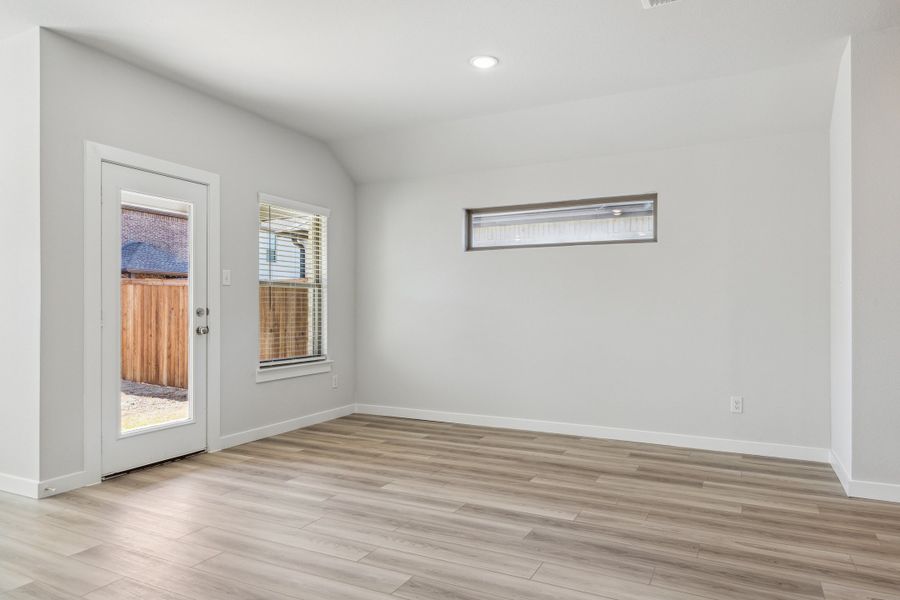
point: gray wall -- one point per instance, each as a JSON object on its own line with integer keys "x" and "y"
{"x": 88, "y": 95}
{"x": 876, "y": 256}
{"x": 20, "y": 256}
{"x": 732, "y": 300}
{"x": 841, "y": 269}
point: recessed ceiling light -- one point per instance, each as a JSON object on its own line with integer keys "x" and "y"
{"x": 484, "y": 62}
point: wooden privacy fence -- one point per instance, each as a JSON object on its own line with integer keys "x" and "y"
{"x": 156, "y": 318}
{"x": 283, "y": 322}
{"x": 155, "y": 321}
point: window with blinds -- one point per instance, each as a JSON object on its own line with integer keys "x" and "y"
{"x": 595, "y": 221}
{"x": 292, "y": 282}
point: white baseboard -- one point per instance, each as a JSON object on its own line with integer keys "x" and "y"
{"x": 18, "y": 485}
{"x": 32, "y": 488}
{"x": 65, "y": 483}
{"x": 870, "y": 490}
{"x": 874, "y": 490}
{"x": 858, "y": 489}
{"x": 843, "y": 474}
{"x": 251, "y": 435}
{"x": 612, "y": 433}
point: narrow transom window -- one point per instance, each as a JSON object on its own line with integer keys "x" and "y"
{"x": 292, "y": 282}
{"x": 595, "y": 221}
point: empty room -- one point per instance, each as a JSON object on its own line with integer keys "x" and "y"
{"x": 450, "y": 299}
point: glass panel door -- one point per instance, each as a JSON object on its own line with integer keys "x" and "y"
{"x": 154, "y": 317}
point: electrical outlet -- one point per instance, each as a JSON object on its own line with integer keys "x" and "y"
{"x": 334, "y": 382}
{"x": 737, "y": 404}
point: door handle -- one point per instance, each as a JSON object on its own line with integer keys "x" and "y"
{"x": 202, "y": 330}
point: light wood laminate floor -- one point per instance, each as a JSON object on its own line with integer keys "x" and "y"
{"x": 367, "y": 508}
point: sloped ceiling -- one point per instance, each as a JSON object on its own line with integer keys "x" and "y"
{"x": 776, "y": 101}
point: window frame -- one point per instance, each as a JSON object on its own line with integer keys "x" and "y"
{"x": 301, "y": 366}
{"x": 649, "y": 197}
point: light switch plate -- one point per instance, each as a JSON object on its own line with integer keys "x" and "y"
{"x": 226, "y": 277}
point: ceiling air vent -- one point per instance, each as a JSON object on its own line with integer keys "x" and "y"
{"x": 656, "y": 3}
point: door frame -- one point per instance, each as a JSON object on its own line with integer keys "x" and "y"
{"x": 94, "y": 156}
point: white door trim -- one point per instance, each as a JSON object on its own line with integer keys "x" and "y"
{"x": 94, "y": 156}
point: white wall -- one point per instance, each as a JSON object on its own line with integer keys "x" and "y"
{"x": 88, "y": 95}
{"x": 841, "y": 269}
{"x": 876, "y": 257}
{"x": 732, "y": 300}
{"x": 20, "y": 259}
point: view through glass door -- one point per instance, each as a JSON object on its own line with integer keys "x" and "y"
{"x": 154, "y": 317}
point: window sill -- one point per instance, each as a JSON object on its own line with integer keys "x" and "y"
{"x": 290, "y": 371}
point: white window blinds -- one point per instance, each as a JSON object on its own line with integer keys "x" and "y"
{"x": 595, "y": 221}
{"x": 292, "y": 285}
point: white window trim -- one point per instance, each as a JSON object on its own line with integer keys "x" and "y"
{"x": 311, "y": 367}
{"x": 294, "y": 204}
{"x": 294, "y": 370}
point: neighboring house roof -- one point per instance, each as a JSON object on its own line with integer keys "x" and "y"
{"x": 141, "y": 257}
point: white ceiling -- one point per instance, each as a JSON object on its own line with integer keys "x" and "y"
{"x": 359, "y": 69}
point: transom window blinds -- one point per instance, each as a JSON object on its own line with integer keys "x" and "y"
{"x": 595, "y": 221}
{"x": 292, "y": 285}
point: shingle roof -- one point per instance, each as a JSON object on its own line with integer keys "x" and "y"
{"x": 141, "y": 257}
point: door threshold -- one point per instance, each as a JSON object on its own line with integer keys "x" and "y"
{"x": 156, "y": 464}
